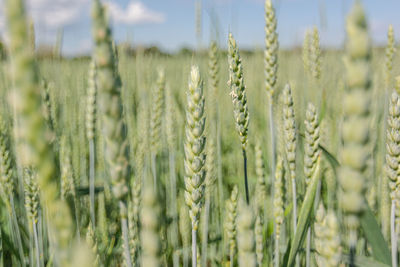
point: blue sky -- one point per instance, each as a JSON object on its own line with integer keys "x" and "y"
{"x": 170, "y": 24}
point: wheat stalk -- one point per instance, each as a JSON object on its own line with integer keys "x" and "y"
{"x": 90, "y": 134}
{"x": 245, "y": 237}
{"x": 7, "y": 183}
{"x": 271, "y": 48}
{"x": 156, "y": 122}
{"x": 150, "y": 229}
{"x": 170, "y": 116}
{"x": 311, "y": 144}
{"x": 33, "y": 151}
{"x": 389, "y": 56}
{"x": 31, "y": 190}
{"x": 311, "y": 155}
{"x": 306, "y": 51}
{"x": 290, "y": 137}
{"x": 230, "y": 223}
{"x": 355, "y": 129}
{"x": 327, "y": 238}
{"x": 239, "y": 99}
{"x": 261, "y": 187}
{"x": 110, "y": 104}
{"x": 258, "y": 231}
{"x": 185, "y": 228}
{"x": 278, "y": 207}
{"x": 47, "y": 105}
{"x": 392, "y": 167}
{"x": 315, "y": 55}
{"x": 195, "y": 156}
{"x": 134, "y": 218}
{"x": 210, "y": 180}
{"x": 67, "y": 180}
{"x": 213, "y": 67}
{"x": 271, "y": 69}
{"x": 6, "y": 171}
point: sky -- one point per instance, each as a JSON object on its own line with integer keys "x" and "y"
{"x": 170, "y": 24}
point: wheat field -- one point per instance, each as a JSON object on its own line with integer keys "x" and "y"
{"x": 220, "y": 157}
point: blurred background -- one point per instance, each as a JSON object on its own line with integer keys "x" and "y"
{"x": 173, "y": 26}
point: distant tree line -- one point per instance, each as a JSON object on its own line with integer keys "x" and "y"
{"x": 45, "y": 51}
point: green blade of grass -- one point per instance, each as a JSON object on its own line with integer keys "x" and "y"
{"x": 363, "y": 261}
{"x": 331, "y": 158}
{"x": 372, "y": 231}
{"x": 305, "y": 216}
{"x": 8, "y": 244}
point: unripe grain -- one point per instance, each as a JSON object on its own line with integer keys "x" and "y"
{"x": 271, "y": 48}
{"x": 245, "y": 237}
{"x": 150, "y": 229}
{"x": 315, "y": 55}
{"x": 355, "y": 131}
{"x": 157, "y": 111}
{"x": 91, "y": 102}
{"x": 230, "y": 223}
{"x": 195, "y": 156}
{"x": 389, "y": 56}
{"x": 311, "y": 144}
{"x": 238, "y": 92}
{"x": 327, "y": 238}
{"x": 31, "y": 150}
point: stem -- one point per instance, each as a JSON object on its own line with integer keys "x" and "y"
{"x": 35, "y": 236}
{"x": 384, "y": 206}
{"x": 91, "y": 181}
{"x": 219, "y": 168}
{"x": 124, "y": 226}
{"x": 175, "y": 259}
{"x": 352, "y": 246}
{"x": 194, "y": 247}
{"x": 220, "y": 182}
{"x": 245, "y": 176}
{"x": 294, "y": 195}
{"x": 17, "y": 232}
{"x": 174, "y": 212}
{"x": 308, "y": 247}
{"x": 271, "y": 132}
{"x": 393, "y": 234}
{"x": 185, "y": 257}
{"x": 14, "y": 257}
{"x": 40, "y": 235}
{"x": 31, "y": 249}
{"x": 1, "y": 252}
{"x": 205, "y": 231}
{"x": 77, "y": 219}
{"x": 231, "y": 256}
{"x": 352, "y": 256}
{"x": 384, "y": 200}
{"x": 154, "y": 170}
{"x": 276, "y": 258}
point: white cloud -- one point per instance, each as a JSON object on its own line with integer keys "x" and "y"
{"x": 135, "y": 13}
{"x": 53, "y": 14}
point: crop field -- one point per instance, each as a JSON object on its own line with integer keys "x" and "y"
{"x": 220, "y": 157}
